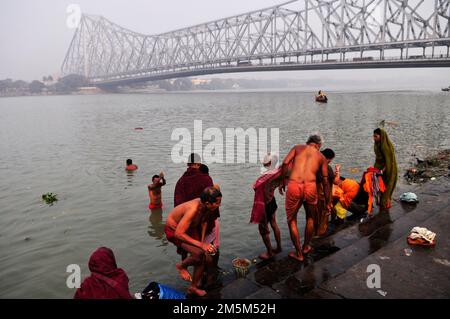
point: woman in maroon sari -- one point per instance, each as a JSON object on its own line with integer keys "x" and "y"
{"x": 106, "y": 280}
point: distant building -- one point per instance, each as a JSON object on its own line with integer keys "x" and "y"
{"x": 200, "y": 81}
{"x": 89, "y": 90}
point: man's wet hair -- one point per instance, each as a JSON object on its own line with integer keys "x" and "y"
{"x": 316, "y": 139}
{"x": 328, "y": 153}
{"x": 129, "y": 161}
{"x": 377, "y": 131}
{"x": 154, "y": 176}
{"x": 204, "y": 169}
{"x": 210, "y": 195}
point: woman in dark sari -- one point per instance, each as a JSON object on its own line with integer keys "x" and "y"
{"x": 106, "y": 280}
{"x": 385, "y": 160}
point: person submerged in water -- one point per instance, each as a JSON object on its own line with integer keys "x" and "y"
{"x": 385, "y": 161}
{"x": 307, "y": 162}
{"x": 186, "y": 228}
{"x": 130, "y": 166}
{"x": 154, "y": 191}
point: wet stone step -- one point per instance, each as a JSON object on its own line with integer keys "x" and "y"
{"x": 422, "y": 274}
{"x": 313, "y": 275}
{"x": 348, "y": 245}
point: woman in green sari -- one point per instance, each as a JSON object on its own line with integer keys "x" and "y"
{"x": 385, "y": 161}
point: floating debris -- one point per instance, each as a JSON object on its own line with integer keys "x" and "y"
{"x": 49, "y": 198}
{"x": 408, "y": 252}
{"x": 384, "y": 257}
{"x": 429, "y": 168}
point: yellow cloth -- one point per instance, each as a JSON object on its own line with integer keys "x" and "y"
{"x": 341, "y": 212}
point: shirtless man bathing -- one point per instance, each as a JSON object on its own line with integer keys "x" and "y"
{"x": 306, "y": 161}
{"x": 154, "y": 191}
{"x": 186, "y": 228}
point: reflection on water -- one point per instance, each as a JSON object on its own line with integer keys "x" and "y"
{"x": 156, "y": 227}
{"x": 381, "y": 237}
{"x": 76, "y": 146}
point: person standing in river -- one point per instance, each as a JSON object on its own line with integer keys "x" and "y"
{"x": 154, "y": 191}
{"x": 385, "y": 161}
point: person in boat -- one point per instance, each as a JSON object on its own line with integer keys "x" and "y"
{"x": 307, "y": 162}
{"x": 154, "y": 191}
{"x": 385, "y": 160}
{"x": 321, "y": 97}
{"x": 186, "y": 228}
{"x": 130, "y": 166}
{"x": 265, "y": 206}
{"x": 106, "y": 280}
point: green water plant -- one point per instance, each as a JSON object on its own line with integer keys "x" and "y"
{"x": 49, "y": 198}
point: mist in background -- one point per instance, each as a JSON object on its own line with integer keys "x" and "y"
{"x": 34, "y": 39}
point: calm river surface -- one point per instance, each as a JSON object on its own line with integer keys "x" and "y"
{"x": 76, "y": 146}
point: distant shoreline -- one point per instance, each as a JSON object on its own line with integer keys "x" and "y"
{"x": 265, "y": 90}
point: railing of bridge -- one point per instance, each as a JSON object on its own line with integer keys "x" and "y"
{"x": 280, "y": 65}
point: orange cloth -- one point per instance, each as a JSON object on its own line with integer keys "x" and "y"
{"x": 368, "y": 187}
{"x": 350, "y": 189}
{"x": 296, "y": 194}
{"x": 155, "y": 206}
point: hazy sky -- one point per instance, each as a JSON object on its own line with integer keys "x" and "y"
{"x": 34, "y": 37}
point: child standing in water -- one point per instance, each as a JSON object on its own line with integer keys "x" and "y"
{"x": 154, "y": 191}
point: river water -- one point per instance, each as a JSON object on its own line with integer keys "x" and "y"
{"x": 76, "y": 146}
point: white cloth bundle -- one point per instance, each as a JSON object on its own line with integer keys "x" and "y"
{"x": 420, "y": 232}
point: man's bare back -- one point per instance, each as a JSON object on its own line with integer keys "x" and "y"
{"x": 190, "y": 211}
{"x": 307, "y": 161}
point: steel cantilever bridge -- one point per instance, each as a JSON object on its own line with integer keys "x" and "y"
{"x": 295, "y": 35}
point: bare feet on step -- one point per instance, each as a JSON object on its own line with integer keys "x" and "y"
{"x": 266, "y": 255}
{"x": 195, "y": 291}
{"x": 297, "y": 257}
{"x": 184, "y": 273}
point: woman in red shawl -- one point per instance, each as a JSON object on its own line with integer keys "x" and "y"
{"x": 106, "y": 280}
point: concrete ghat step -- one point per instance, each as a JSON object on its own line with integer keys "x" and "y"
{"x": 424, "y": 274}
{"x": 337, "y": 253}
{"x": 313, "y": 275}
